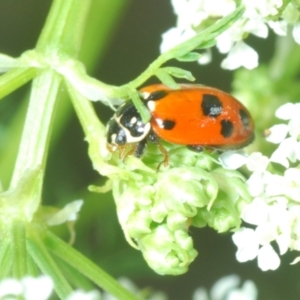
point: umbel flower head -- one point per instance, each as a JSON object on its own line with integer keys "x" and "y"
{"x": 156, "y": 208}
{"x": 275, "y": 210}
{"x": 260, "y": 16}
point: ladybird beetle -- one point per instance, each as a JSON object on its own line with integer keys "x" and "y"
{"x": 196, "y": 116}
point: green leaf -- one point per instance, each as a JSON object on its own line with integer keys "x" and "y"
{"x": 179, "y": 73}
{"x": 166, "y": 79}
{"x": 208, "y": 44}
{"x": 143, "y": 111}
{"x": 192, "y": 56}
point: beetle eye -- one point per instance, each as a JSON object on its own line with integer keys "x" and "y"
{"x": 115, "y": 133}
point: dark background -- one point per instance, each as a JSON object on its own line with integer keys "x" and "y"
{"x": 133, "y": 45}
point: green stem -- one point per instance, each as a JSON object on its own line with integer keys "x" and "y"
{"x": 85, "y": 112}
{"x": 150, "y": 71}
{"x": 19, "y": 249}
{"x": 64, "y": 27}
{"x": 5, "y": 258}
{"x": 86, "y": 267}
{"x": 36, "y": 132}
{"x": 32, "y": 269}
{"x": 75, "y": 277}
{"x": 15, "y": 78}
{"x": 45, "y": 262}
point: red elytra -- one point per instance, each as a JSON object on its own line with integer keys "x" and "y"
{"x": 197, "y": 115}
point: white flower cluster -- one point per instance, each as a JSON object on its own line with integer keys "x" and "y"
{"x": 275, "y": 209}
{"x": 228, "y": 288}
{"x": 28, "y": 288}
{"x": 41, "y": 288}
{"x": 259, "y": 16}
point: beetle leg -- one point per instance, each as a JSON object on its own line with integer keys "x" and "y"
{"x": 165, "y": 153}
{"x": 196, "y": 148}
{"x": 153, "y": 138}
{"x": 140, "y": 148}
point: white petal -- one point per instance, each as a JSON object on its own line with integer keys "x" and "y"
{"x": 286, "y": 111}
{"x": 257, "y": 162}
{"x": 296, "y": 33}
{"x": 217, "y": 8}
{"x": 246, "y": 241}
{"x": 279, "y": 27}
{"x": 10, "y": 286}
{"x": 266, "y": 233}
{"x": 221, "y": 288}
{"x": 205, "y": 58}
{"x": 174, "y": 37}
{"x": 267, "y": 258}
{"x": 274, "y": 184}
{"x": 277, "y": 133}
{"x": 255, "y": 212}
{"x": 283, "y": 242}
{"x": 224, "y": 42}
{"x": 247, "y": 292}
{"x": 232, "y": 160}
{"x": 82, "y": 295}
{"x": 240, "y": 55}
{"x": 293, "y": 174}
{"x": 257, "y": 27}
{"x": 287, "y": 149}
{"x": 292, "y": 183}
{"x": 39, "y": 288}
{"x": 278, "y": 158}
{"x": 294, "y": 127}
{"x": 296, "y": 260}
{"x": 255, "y": 184}
{"x": 200, "y": 294}
{"x": 68, "y": 213}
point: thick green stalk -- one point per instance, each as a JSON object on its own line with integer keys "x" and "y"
{"x": 36, "y": 132}
{"x": 18, "y": 240}
{"x": 45, "y": 262}
{"x": 64, "y": 27}
{"x": 61, "y": 36}
{"x": 86, "y": 267}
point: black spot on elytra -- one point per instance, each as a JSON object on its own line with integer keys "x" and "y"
{"x": 211, "y": 105}
{"x": 244, "y": 118}
{"x": 168, "y": 124}
{"x": 227, "y": 128}
{"x": 157, "y": 95}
